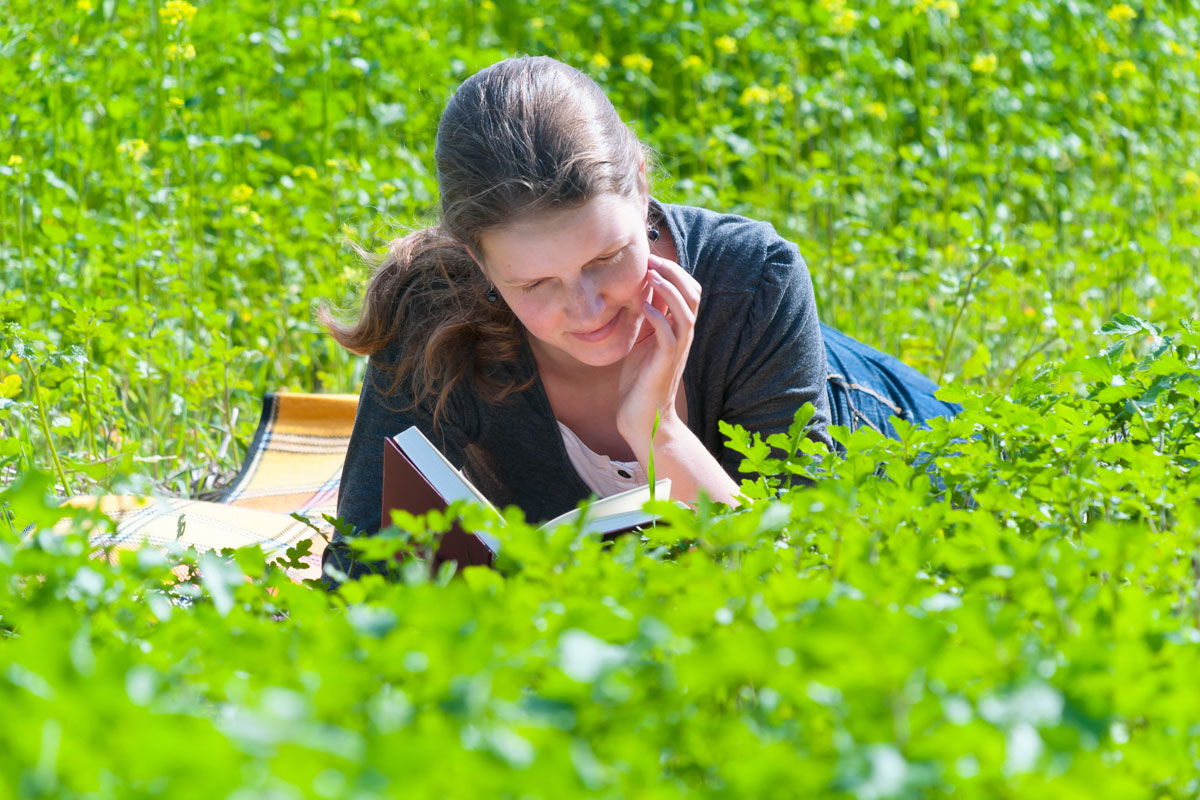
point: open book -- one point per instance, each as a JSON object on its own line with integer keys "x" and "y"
{"x": 418, "y": 478}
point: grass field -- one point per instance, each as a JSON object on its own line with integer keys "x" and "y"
{"x": 978, "y": 188}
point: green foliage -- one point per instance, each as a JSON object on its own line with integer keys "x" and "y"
{"x": 1005, "y": 603}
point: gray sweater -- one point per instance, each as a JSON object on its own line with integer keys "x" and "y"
{"x": 756, "y": 357}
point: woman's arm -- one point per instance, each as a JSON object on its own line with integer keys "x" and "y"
{"x": 778, "y": 363}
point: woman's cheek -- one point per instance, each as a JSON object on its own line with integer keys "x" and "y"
{"x": 642, "y": 271}
{"x": 647, "y": 293}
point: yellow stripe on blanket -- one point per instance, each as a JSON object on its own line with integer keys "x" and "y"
{"x": 293, "y": 465}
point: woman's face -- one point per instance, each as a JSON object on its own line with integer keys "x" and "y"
{"x": 576, "y": 279}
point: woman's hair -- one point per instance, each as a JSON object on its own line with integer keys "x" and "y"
{"x": 524, "y": 136}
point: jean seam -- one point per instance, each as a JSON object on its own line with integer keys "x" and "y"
{"x": 845, "y": 384}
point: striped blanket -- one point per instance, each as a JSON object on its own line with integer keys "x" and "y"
{"x": 294, "y": 464}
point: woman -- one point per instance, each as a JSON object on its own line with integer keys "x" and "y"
{"x": 559, "y": 315}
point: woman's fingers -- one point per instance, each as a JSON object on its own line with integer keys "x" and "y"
{"x": 677, "y": 276}
{"x": 682, "y": 313}
{"x": 663, "y": 331}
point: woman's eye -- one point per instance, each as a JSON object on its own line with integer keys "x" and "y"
{"x": 529, "y": 287}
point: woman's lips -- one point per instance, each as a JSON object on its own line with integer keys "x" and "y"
{"x": 602, "y": 332}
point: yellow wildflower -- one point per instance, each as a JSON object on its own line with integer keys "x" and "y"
{"x": 304, "y": 171}
{"x": 1123, "y": 68}
{"x": 10, "y": 386}
{"x": 74, "y": 40}
{"x": 726, "y": 44}
{"x": 16, "y": 359}
{"x": 241, "y": 193}
{"x": 600, "y": 61}
{"x": 488, "y": 5}
{"x": 181, "y": 52}
{"x": 921, "y": 6}
{"x": 333, "y": 162}
{"x": 948, "y": 6}
{"x": 984, "y": 63}
{"x": 637, "y": 61}
{"x": 175, "y": 101}
{"x": 784, "y": 94}
{"x": 755, "y": 94}
{"x": 346, "y": 13}
{"x": 843, "y": 21}
{"x": 177, "y": 12}
{"x": 832, "y": 6}
{"x": 15, "y": 161}
{"x": 1103, "y": 46}
{"x": 1121, "y": 13}
{"x": 136, "y": 149}
{"x": 1099, "y": 96}
{"x": 1190, "y": 179}
{"x": 1175, "y": 48}
{"x": 693, "y": 62}
{"x": 387, "y": 189}
{"x": 537, "y": 23}
{"x": 876, "y": 109}
{"x": 255, "y": 218}
{"x": 84, "y": 5}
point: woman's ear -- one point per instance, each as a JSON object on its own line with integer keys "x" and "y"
{"x": 478, "y": 261}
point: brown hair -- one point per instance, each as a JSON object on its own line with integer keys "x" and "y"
{"x": 524, "y": 136}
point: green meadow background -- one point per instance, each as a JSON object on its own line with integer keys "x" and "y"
{"x": 1006, "y": 605}
{"x": 976, "y": 187}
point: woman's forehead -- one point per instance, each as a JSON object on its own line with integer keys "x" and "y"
{"x": 566, "y": 239}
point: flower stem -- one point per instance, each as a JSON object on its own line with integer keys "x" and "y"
{"x": 41, "y": 408}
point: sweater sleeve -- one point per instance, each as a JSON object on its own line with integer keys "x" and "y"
{"x": 779, "y": 363}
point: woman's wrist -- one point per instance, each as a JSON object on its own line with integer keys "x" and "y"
{"x": 681, "y": 456}
{"x": 669, "y": 433}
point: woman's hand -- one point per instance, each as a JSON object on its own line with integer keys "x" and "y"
{"x": 650, "y": 383}
{"x": 651, "y": 374}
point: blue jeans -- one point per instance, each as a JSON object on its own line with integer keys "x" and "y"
{"x": 867, "y": 387}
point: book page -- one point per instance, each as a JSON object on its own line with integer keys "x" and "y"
{"x": 617, "y": 511}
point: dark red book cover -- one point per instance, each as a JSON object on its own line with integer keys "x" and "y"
{"x": 405, "y": 488}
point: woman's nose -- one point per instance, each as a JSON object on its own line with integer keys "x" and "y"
{"x": 589, "y": 298}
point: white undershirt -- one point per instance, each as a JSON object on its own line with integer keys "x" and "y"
{"x": 603, "y": 475}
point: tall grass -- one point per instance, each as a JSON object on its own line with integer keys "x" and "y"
{"x": 975, "y": 187}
